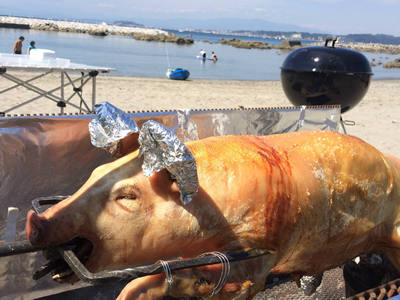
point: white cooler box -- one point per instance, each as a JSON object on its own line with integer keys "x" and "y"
{"x": 42, "y": 54}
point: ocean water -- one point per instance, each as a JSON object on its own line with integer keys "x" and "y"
{"x": 130, "y": 57}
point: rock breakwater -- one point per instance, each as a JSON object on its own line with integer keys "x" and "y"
{"x": 260, "y": 45}
{"x": 147, "y": 34}
{"x": 371, "y": 47}
{"x": 291, "y": 45}
{"x": 245, "y": 44}
{"x": 392, "y": 64}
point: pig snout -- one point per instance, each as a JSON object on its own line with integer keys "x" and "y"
{"x": 53, "y": 227}
{"x": 35, "y": 228}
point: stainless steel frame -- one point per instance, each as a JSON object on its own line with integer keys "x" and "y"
{"x": 86, "y": 75}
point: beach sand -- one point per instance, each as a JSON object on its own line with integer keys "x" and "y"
{"x": 376, "y": 117}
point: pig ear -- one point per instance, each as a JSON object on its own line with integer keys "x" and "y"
{"x": 113, "y": 130}
{"x": 162, "y": 182}
{"x": 161, "y": 149}
{"x": 174, "y": 185}
{"x": 127, "y": 145}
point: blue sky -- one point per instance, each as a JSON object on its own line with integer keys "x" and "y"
{"x": 331, "y": 16}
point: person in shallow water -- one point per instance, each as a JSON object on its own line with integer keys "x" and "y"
{"x": 214, "y": 56}
{"x": 31, "y": 46}
{"x": 18, "y": 45}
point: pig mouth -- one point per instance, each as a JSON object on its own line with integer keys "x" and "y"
{"x": 58, "y": 268}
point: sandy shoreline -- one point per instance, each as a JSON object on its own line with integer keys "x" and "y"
{"x": 377, "y": 117}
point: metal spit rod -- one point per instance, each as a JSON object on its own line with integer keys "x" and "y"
{"x": 22, "y": 247}
{"x": 18, "y": 248}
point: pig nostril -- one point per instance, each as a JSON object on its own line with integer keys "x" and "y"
{"x": 33, "y": 227}
{"x": 34, "y": 234}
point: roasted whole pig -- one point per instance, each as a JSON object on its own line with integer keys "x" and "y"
{"x": 314, "y": 199}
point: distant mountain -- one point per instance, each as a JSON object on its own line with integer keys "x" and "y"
{"x": 127, "y": 24}
{"x": 258, "y": 27}
{"x": 285, "y": 34}
{"x": 296, "y": 35}
{"x": 349, "y": 38}
{"x": 371, "y": 38}
{"x": 230, "y": 24}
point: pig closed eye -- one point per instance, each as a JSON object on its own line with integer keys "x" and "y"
{"x": 127, "y": 197}
{"x": 127, "y": 202}
{"x": 130, "y": 197}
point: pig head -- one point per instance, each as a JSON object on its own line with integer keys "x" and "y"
{"x": 314, "y": 199}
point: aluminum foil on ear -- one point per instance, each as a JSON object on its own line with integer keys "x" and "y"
{"x": 161, "y": 149}
{"x": 110, "y": 126}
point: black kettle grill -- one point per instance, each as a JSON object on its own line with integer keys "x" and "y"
{"x": 325, "y": 76}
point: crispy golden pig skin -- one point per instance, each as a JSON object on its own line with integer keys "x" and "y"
{"x": 316, "y": 199}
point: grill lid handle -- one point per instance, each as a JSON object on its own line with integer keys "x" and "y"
{"x": 330, "y": 38}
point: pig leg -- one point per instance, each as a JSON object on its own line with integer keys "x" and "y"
{"x": 244, "y": 281}
{"x": 151, "y": 287}
{"x": 201, "y": 282}
{"x": 187, "y": 284}
{"x": 392, "y": 251}
{"x": 155, "y": 287}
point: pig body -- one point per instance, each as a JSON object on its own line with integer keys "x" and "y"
{"x": 314, "y": 199}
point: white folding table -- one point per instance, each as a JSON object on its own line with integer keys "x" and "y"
{"x": 9, "y": 62}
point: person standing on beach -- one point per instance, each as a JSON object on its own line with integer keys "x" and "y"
{"x": 18, "y": 45}
{"x": 203, "y": 53}
{"x": 31, "y": 46}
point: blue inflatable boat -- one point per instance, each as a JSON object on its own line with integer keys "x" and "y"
{"x": 178, "y": 74}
